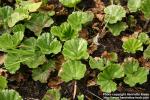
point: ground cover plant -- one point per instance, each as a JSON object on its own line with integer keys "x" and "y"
{"x": 74, "y": 49}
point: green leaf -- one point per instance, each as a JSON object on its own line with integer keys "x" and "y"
{"x": 134, "y": 73}
{"x": 29, "y": 44}
{"x": 3, "y": 82}
{"x": 52, "y": 94}
{"x": 69, "y": 3}
{"x": 64, "y": 31}
{"x": 18, "y": 15}
{"x": 134, "y": 5}
{"x": 25, "y": 54}
{"x": 112, "y": 56}
{"x": 140, "y": 76}
{"x": 72, "y": 70}
{"x": 147, "y": 53}
{"x": 97, "y": 63}
{"x": 12, "y": 62}
{"x": 145, "y": 8}
{"x": 42, "y": 73}
{"x": 130, "y": 65}
{"x": 31, "y": 6}
{"x": 117, "y": 28}
{"x": 5, "y": 13}
{"x": 143, "y": 37}
{"x": 32, "y": 53}
{"x": 18, "y": 31}
{"x": 105, "y": 79}
{"x": 28, "y": 54}
{"x": 132, "y": 45}
{"x": 34, "y": 25}
{"x": 114, "y": 71}
{"x": 114, "y": 13}
{"x": 81, "y": 97}
{"x": 75, "y": 49}
{"x": 78, "y": 18}
{"x": 107, "y": 85}
{"x": 9, "y": 95}
{"x": 36, "y": 59}
{"x": 48, "y": 44}
{"x": 6, "y": 42}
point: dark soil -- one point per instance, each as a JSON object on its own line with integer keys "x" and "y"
{"x": 31, "y": 90}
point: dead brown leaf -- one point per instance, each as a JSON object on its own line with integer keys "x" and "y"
{"x": 3, "y": 72}
{"x": 84, "y": 34}
{"x": 55, "y": 82}
{"x": 93, "y": 47}
{"x": 144, "y": 62}
{"x": 2, "y": 58}
{"x": 17, "y": 77}
{"x": 91, "y": 82}
{"x": 59, "y": 61}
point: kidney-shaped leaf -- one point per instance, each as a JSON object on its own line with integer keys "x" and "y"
{"x": 114, "y": 13}
{"x": 107, "y": 85}
{"x": 30, "y": 54}
{"x": 38, "y": 21}
{"x": 18, "y": 31}
{"x": 5, "y": 12}
{"x": 105, "y": 79}
{"x": 134, "y": 73}
{"x": 72, "y": 70}
{"x": 130, "y": 65}
{"x": 9, "y": 95}
{"x": 76, "y": 19}
{"x": 31, "y": 6}
{"x": 48, "y": 44}
{"x": 35, "y": 59}
{"x": 52, "y": 94}
{"x": 97, "y": 63}
{"x": 75, "y": 49}
{"x": 6, "y": 42}
{"x": 18, "y": 15}
{"x": 134, "y": 5}
{"x": 64, "y": 31}
{"x": 145, "y": 8}
{"x": 29, "y": 44}
{"x": 42, "y": 73}
{"x": 140, "y": 76}
{"x": 12, "y": 62}
{"x": 132, "y": 45}
{"x": 117, "y": 28}
{"x": 144, "y": 38}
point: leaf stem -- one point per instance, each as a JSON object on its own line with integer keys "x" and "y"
{"x": 75, "y": 7}
{"x": 95, "y": 39}
{"x": 75, "y": 89}
{"x": 146, "y": 24}
{"x": 94, "y": 95}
